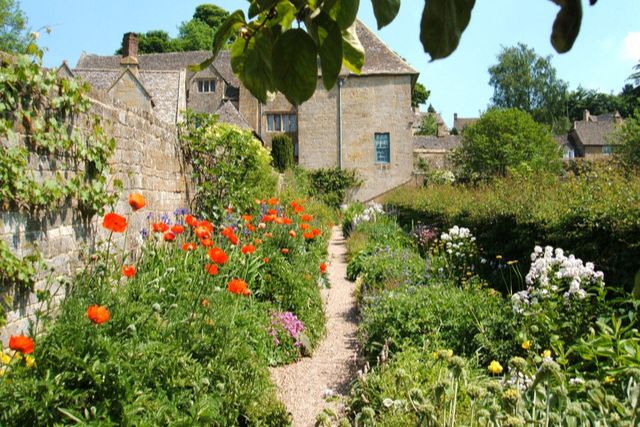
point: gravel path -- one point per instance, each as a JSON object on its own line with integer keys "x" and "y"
{"x": 302, "y": 385}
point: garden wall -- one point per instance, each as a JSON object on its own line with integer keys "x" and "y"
{"x": 147, "y": 160}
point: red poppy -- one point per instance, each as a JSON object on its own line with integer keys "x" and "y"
{"x": 304, "y": 226}
{"x": 177, "y": 229}
{"x": 273, "y": 201}
{"x": 278, "y": 220}
{"x": 272, "y": 212}
{"x": 287, "y": 220}
{"x": 247, "y": 218}
{"x": 306, "y": 218}
{"x": 169, "y": 236}
{"x": 265, "y": 260}
{"x": 136, "y": 201}
{"x": 284, "y": 251}
{"x": 238, "y": 286}
{"x": 189, "y": 247}
{"x": 98, "y": 314}
{"x": 269, "y": 218}
{"x": 191, "y": 220}
{"x": 114, "y": 222}
{"x": 129, "y": 270}
{"x": 251, "y": 227}
{"x": 234, "y": 239}
{"x": 218, "y": 256}
{"x": 248, "y": 249}
{"x": 202, "y": 232}
{"x": 316, "y": 232}
{"x": 323, "y": 268}
{"x": 21, "y": 343}
{"x": 297, "y": 208}
{"x": 212, "y": 269}
{"x": 308, "y": 235}
{"x": 292, "y": 233}
{"x": 159, "y": 227}
{"x": 206, "y": 242}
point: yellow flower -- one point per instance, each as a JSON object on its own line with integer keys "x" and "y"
{"x": 5, "y": 358}
{"x": 546, "y": 354}
{"x": 495, "y": 367}
{"x": 29, "y": 360}
{"x": 3, "y": 370}
{"x": 526, "y": 345}
{"x": 512, "y": 262}
{"x": 609, "y": 379}
{"x": 498, "y": 256}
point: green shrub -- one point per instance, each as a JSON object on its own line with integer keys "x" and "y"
{"x": 282, "y": 152}
{"x": 470, "y": 321}
{"x": 332, "y": 185}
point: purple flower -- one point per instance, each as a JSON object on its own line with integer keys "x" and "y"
{"x": 144, "y": 233}
{"x": 289, "y": 322}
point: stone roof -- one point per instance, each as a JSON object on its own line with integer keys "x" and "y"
{"x": 171, "y": 61}
{"x": 459, "y": 123}
{"x": 592, "y": 133}
{"x": 378, "y": 58}
{"x": 424, "y": 142}
{"x": 227, "y": 113}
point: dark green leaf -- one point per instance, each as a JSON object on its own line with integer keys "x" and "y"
{"x": 443, "y": 22}
{"x": 344, "y": 12}
{"x": 567, "y": 25}
{"x": 251, "y": 61}
{"x": 225, "y": 31}
{"x": 330, "y": 49}
{"x": 352, "y": 50}
{"x": 259, "y": 6}
{"x": 385, "y": 11}
{"x": 285, "y": 14}
{"x": 295, "y": 67}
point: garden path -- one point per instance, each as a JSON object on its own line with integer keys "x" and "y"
{"x": 302, "y": 386}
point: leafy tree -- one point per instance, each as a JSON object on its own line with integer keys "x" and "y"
{"x": 503, "y": 140}
{"x": 428, "y": 126}
{"x": 627, "y": 141}
{"x": 588, "y": 99}
{"x": 211, "y": 15}
{"x": 13, "y": 27}
{"x": 419, "y": 95}
{"x": 194, "y": 35}
{"x": 524, "y": 80}
{"x": 629, "y": 100}
{"x": 273, "y": 55}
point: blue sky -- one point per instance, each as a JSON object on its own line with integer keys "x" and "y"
{"x": 602, "y": 57}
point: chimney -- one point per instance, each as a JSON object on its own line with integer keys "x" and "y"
{"x": 586, "y": 116}
{"x": 129, "y": 49}
{"x": 617, "y": 118}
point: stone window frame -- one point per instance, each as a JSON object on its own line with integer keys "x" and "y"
{"x": 206, "y": 85}
{"x": 385, "y": 159}
{"x": 278, "y": 126}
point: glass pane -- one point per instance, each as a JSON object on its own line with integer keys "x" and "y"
{"x": 293, "y": 122}
{"x": 270, "y": 122}
{"x": 285, "y": 122}
{"x": 382, "y": 147}
{"x": 200, "y": 86}
{"x": 278, "y": 127}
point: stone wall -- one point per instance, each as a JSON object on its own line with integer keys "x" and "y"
{"x": 205, "y": 102}
{"x": 147, "y": 160}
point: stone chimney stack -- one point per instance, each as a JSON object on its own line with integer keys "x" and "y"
{"x": 586, "y": 116}
{"x": 617, "y": 118}
{"x": 129, "y": 50}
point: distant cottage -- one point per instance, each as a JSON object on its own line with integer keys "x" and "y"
{"x": 363, "y": 123}
{"x": 588, "y": 137}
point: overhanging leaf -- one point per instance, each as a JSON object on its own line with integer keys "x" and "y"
{"x": 226, "y": 30}
{"x": 443, "y": 22}
{"x": 352, "y": 50}
{"x": 567, "y": 24}
{"x": 329, "y": 48}
{"x": 251, "y": 61}
{"x": 344, "y": 12}
{"x": 295, "y": 67}
{"x": 258, "y": 6}
{"x": 385, "y": 11}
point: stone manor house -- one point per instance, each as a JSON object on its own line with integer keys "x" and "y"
{"x": 363, "y": 123}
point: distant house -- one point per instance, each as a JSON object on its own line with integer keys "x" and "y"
{"x": 363, "y": 123}
{"x": 459, "y": 123}
{"x": 434, "y": 150}
{"x": 443, "y": 130}
{"x": 588, "y": 137}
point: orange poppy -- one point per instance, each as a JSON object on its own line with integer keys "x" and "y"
{"x": 297, "y": 208}
{"x": 284, "y": 251}
{"x": 323, "y": 268}
{"x": 21, "y": 343}
{"x": 189, "y": 247}
{"x": 306, "y": 218}
{"x": 238, "y": 286}
{"x": 304, "y": 226}
{"x": 202, "y": 232}
{"x": 251, "y": 227}
{"x": 114, "y": 222}
{"x": 268, "y": 234}
{"x": 272, "y": 212}
{"x": 218, "y": 256}
{"x": 292, "y": 233}
{"x": 316, "y": 232}
{"x": 287, "y": 220}
{"x": 159, "y": 227}
{"x": 204, "y": 303}
{"x": 177, "y": 229}
{"x": 265, "y": 260}
{"x": 248, "y": 249}
{"x": 308, "y": 235}
{"x": 273, "y": 201}
{"x": 98, "y": 314}
{"x": 212, "y": 269}
{"x": 136, "y": 201}
{"x": 129, "y": 270}
{"x": 206, "y": 242}
{"x": 191, "y": 220}
{"x": 247, "y": 218}
{"x": 169, "y": 236}
{"x": 278, "y": 220}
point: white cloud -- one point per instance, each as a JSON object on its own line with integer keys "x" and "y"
{"x": 631, "y": 47}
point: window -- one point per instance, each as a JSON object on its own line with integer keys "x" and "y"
{"x": 280, "y": 122}
{"x": 569, "y": 153}
{"x": 607, "y": 149}
{"x": 382, "y": 146}
{"x": 206, "y": 86}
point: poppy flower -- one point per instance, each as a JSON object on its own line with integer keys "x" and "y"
{"x": 287, "y": 220}
{"x": 229, "y": 233}
{"x": 306, "y": 218}
{"x": 268, "y": 234}
{"x": 297, "y": 208}
{"x": 239, "y": 287}
{"x": 273, "y": 201}
{"x": 190, "y": 220}
{"x": 136, "y": 201}
{"x": 265, "y": 260}
{"x": 229, "y": 210}
{"x": 292, "y": 233}
{"x": 206, "y": 242}
{"x": 218, "y": 256}
{"x": 316, "y": 232}
{"x": 169, "y": 236}
{"x": 202, "y": 232}
{"x": 21, "y": 343}
{"x": 248, "y": 249}
{"x": 189, "y": 247}
{"x": 129, "y": 270}
{"x": 247, "y": 218}
{"x": 323, "y": 268}
{"x": 98, "y": 314}
{"x": 272, "y": 212}
{"x": 204, "y": 303}
{"x": 159, "y": 227}
{"x": 212, "y": 269}
{"x": 262, "y": 225}
{"x": 114, "y": 222}
{"x": 284, "y": 251}
{"x": 304, "y": 226}
{"x": 257, "y": 241}
{"x": 177, "y": 229}
{"x": 234, "y": 239}
{"x": 308, "y": 235}
{"x": 251, "y": 227}
{"x": 278, "y": 220}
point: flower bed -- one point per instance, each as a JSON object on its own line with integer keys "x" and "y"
{"x": 181, "y": 333}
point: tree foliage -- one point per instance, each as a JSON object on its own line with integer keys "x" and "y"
{"x": 329, "y": 35}
{"x": 627, "y": 141}
{"x": 13, "y": 27}
{"x": 504, "y": 140}
{"x": 282, "y": 152}
{"x": 428, "y": 125}
{"x": 524, "y": 80}
{"x": 419, "y": 95}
